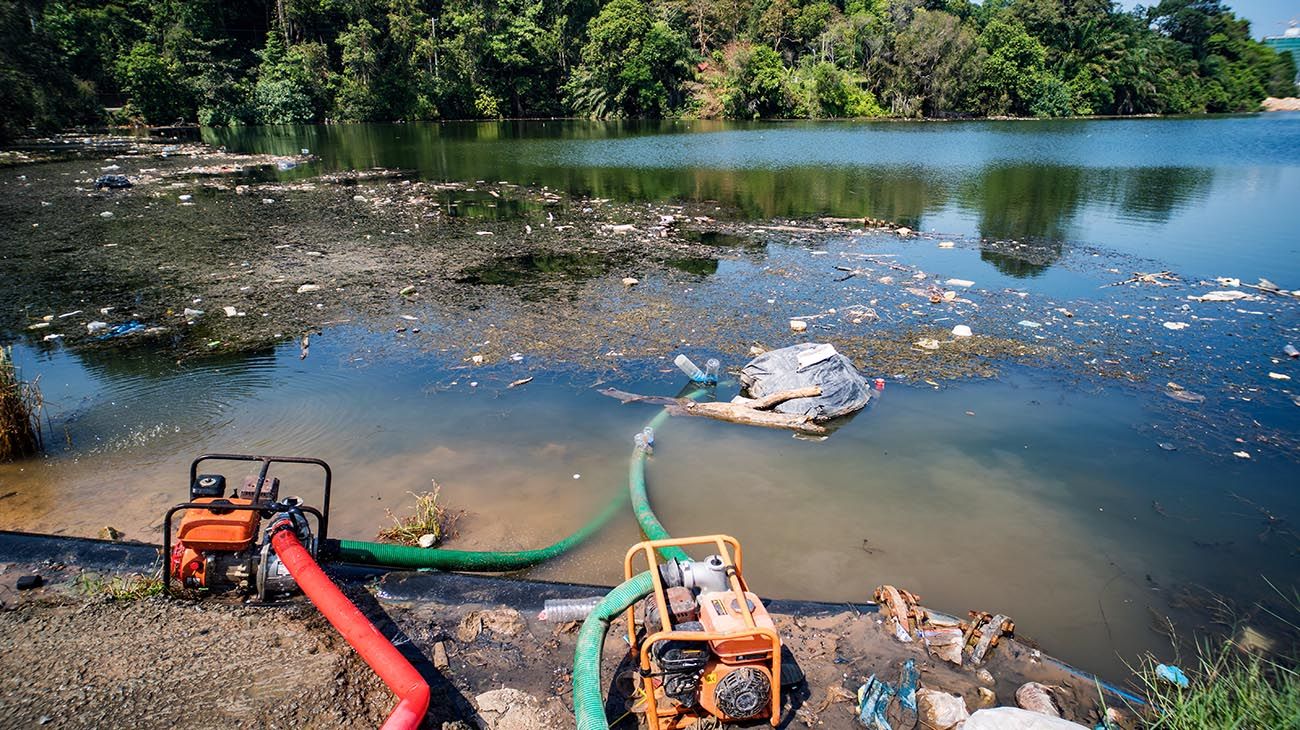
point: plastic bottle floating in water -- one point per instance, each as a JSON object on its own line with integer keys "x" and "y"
{"x": 694, "y": 372}
{"x": 639, "y": 443}
{"x": 711, "y": 369}
{"x": 648, "y": 433}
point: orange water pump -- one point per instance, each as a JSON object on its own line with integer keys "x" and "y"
{"x": 708, "y": 648}
{"x": 217, "y": 543}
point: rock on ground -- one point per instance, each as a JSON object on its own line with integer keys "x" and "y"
{"x": 511, "y": 709}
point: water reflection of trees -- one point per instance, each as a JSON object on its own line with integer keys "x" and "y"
{"x": 1033, "y": 205}
{"x": 1152, "y": 194}
{"x": 1039, "y": 205}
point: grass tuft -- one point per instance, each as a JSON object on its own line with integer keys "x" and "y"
{"x": 1235, "y": 682}
{"x": 131, "y": 587}
{"x": 430, "y": 518}
{"x": 1229, "y": 689}
{"x": 20, "y": 408}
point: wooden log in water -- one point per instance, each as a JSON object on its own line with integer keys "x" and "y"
{"x": 774, "y": 399}
{"x": 750, "y": 413}
{"x": 744, "y": 415}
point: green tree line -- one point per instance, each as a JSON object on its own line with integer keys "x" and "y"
{"x": 217, "y": 62}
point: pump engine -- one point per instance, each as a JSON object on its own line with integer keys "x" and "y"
{"x": 708, "y": 648}
{"x": 217, "y": 546}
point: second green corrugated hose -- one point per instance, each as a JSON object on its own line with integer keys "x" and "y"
{"x": 588, "y": 707}
{"x": 650, "y": 525}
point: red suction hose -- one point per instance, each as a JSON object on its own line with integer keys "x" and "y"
{"x": 379, "y": 652}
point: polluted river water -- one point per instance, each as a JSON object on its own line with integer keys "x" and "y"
{"x": 1074, "y": 490}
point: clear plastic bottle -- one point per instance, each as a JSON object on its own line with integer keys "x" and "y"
{"x": 648, "y": 433}
{"x": 691, "y": 369}
{"x": 562, "y": 610}
{"x": 711, "y": 369}
{"x": 639, "y": 442}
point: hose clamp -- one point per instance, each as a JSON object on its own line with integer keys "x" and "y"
{"x": 287, "y": 516}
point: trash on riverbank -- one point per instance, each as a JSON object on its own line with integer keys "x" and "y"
{"x": 1172, "y": 675}
{"x": 940, "y": 710}
{"x": 112, "y": 182}
{"x": 1014, "y": 718}
{"x": 901, "y": 611}
{"x": 874, "y": 697}
{"x": 1037, "y": 697}
{"x": 944, "y": 640}
{"x": 986, "y": 629}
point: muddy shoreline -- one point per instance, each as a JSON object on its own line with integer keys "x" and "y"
{"x": 64, "y": 632}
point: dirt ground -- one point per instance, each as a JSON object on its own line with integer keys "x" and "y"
{"x": 69, "y": 661}
{"x": 76, "y": 659}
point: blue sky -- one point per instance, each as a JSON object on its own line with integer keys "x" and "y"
{"x": 1267, "y": 17}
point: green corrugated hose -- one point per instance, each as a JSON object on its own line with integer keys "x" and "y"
{"x": 405, "y": 556}
{"x": 650, "y": 525}
{"x": 490, "y": 561}
{"x": 588, "y": 706}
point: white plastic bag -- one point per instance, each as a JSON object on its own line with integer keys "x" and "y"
{"x": 1014, "y": 718}
{"x": 940, "y": 710}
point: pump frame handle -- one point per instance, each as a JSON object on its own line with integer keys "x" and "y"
{"x": 266, "y": 462}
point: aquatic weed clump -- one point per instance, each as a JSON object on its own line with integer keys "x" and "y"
{"x": 429, "y": 518}
{"x": 20, "y": 407}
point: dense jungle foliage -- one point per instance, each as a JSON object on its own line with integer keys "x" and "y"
{"x": 215, "y": 62}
